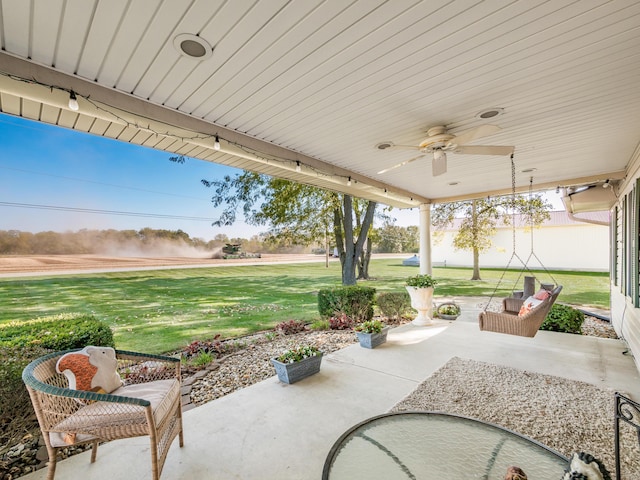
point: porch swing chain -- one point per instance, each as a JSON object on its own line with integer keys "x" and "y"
{"x": 513, "y": 205}
{"x": 513, "y": 232}
{"x": 531, "y": 211}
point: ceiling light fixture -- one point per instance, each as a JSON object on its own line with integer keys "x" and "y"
{"x": 216, "y": 144}
{"x": 490, "y": 113}
{"x": 606, "y": 184}
{"x": 349, "y": 182}
{"x": 73, "y": 101}
{"x": 192, "y": 46}
{"x": 298, "y": 167}
{"x": 384, "y": 145}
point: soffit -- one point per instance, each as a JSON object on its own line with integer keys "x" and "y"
{"x": 325, "y": 81}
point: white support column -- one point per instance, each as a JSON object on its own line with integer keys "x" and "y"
{"x": 425, "y": 239}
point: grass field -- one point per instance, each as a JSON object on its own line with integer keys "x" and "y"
{"x": 163, "y": 310}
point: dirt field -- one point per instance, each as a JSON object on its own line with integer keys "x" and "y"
{"x": 60, "y": 264}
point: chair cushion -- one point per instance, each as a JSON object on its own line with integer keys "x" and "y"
{"x": 106, "y": 420}
{"x": 91, "y": 369}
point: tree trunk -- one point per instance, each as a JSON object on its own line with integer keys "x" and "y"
{"x": 350, "y": 254}
{"x": 476, "y": 265}
{"x": 365, "y": 259}
{"x": 337, "y": 233}
{"x": 476, "y": 253}
{"x": 353, "y": 250}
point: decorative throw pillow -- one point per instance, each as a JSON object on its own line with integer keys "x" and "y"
{"x": 542, "y": 294}
{"x": 528, "y": 305}
{"x": 584, "y": 466}
{"x": 91, "y": 369}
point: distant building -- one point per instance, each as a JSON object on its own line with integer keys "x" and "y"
{"x": 560, "y": 243}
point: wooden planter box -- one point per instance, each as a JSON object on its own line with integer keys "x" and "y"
{"x": 293, "y": 372}
{"x": 372, "y": 340}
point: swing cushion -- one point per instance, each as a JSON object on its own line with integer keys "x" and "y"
{"x": 542, "y": 294}
{"x": 528, "y": 305}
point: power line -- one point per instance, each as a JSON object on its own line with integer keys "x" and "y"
{"x": 75, "y": 179}
{"x": 103, "y": 212}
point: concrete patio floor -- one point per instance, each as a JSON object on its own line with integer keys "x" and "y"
{"x": 276, "y": 431}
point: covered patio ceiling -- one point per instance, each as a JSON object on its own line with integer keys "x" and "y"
{"x": 305, "y": 90}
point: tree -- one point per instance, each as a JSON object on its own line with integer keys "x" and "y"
{"x": 299, "y": 214}
{"x": 393, "y": 239}
{"x": 480, "y": 217}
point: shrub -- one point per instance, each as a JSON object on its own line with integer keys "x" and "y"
{"x": 213, "y": 346}
{"x": 393, "y": 305}
{"x": 354, "y": 301}
{"x": 16, "y": 414}
{"x": 299, "y": 353}
{"x": 448, "y": 309}
{"x": 563, "y": 318}
{"x": 320, "y": 325}
{"x": 60, "y": 332}
{"x": 202, "y": 359}
{"x": 341, "y": 321}
{"x": 371, "y": 326}
{"x": 421, "y": 281}
{"x": 290, "y": 327}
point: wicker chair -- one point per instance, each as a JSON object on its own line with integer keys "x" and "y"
{"x": 147, "y": 404}
{"x": 508, "y": 321}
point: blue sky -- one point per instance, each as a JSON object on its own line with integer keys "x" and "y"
{"x": 46, "y": 165}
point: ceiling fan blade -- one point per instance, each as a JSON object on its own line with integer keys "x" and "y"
{"x": 401, "y": 164}
{"x": 475, "y": 133}
{"x": 409, "y": 147}
{"x": 439, "y": 165}
{"x": 484, "y": 150}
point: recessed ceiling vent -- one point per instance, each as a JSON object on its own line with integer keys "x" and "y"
{"x": 192, "y": 46}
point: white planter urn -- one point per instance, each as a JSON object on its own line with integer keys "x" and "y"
{"x": 422, "y": 301}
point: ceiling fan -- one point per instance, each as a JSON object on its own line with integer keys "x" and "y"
{"x": 439, "y": 142}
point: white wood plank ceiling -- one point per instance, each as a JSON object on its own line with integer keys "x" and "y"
{"x": 322, "y": 82}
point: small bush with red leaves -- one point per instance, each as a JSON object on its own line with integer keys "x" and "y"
{"x": 290, "y": 327}
{"x": 341, "y": 321}
{"x": 214, "y": 346}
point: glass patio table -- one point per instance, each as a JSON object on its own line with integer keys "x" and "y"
{"x": 430, "y": 445}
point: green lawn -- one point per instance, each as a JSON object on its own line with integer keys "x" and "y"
{"x": 162, "y": 310}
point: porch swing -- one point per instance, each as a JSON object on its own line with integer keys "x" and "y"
{"x": 520, "y": 316}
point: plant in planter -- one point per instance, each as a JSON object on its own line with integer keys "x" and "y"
{"x": 371, "y": 333}
{"x": 420, "y": 288}
{"x": 448, "y": 311}
{"x": 297, "y": 363}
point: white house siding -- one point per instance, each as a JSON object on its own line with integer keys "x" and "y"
{"x": 625, "y": 272}
{"x": 560, "y": 244}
